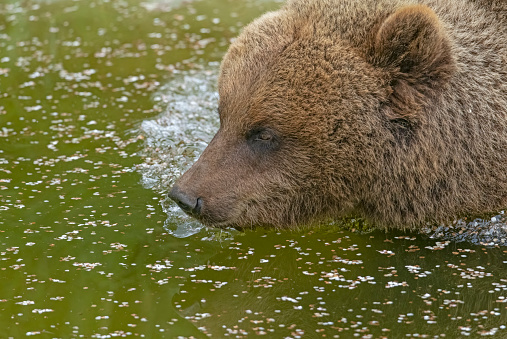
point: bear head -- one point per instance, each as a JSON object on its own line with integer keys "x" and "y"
{"x": 311, "y": 96}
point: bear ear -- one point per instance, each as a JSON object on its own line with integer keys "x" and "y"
{"x": 412, "y": 47}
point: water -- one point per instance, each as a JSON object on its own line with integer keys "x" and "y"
{"x": 102, "y": 105}
{"x": 174, "y": 140}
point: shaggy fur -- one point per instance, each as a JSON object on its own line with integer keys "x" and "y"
{"x": 394, "y": 110}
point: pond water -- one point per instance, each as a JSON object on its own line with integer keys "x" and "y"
{"x": 103, "y": 103}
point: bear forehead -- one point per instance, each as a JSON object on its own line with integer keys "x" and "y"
{"x": 304, "y": 80}
{"x": 286, "y": 78}
{"x": 350, "y": 21}
{"x": 306, "y": 40}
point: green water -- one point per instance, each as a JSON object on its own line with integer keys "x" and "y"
{"x": 102, "y": 105}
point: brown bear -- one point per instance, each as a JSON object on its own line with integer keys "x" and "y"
{"x": 393, "y": 110}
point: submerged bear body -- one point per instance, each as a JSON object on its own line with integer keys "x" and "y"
{"x": 393, "y": 110}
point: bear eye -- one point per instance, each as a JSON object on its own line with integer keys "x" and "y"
{"x": 262, "y": 139}
{"x": 264, "y": 136}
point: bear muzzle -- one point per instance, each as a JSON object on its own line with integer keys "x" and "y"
{"x": 215, "y": 210}
{"x": 186, "y": 201}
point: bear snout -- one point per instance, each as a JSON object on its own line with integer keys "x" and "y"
{"x": 186, "y": 201}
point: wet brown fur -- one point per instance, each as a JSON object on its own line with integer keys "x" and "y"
{"x": 395, "y": 110}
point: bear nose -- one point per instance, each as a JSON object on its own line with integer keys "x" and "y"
{"x": 186, "y": 201}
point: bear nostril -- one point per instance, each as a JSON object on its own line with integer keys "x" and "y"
{"x": 197, "y": 208}
{"x": 185, "y": 201}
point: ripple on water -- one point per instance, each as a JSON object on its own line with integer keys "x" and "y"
{"x": 486, "y": 232}
{"x": 176, "y": 138}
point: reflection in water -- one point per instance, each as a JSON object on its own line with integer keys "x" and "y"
{"x": 338, "y": 284}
